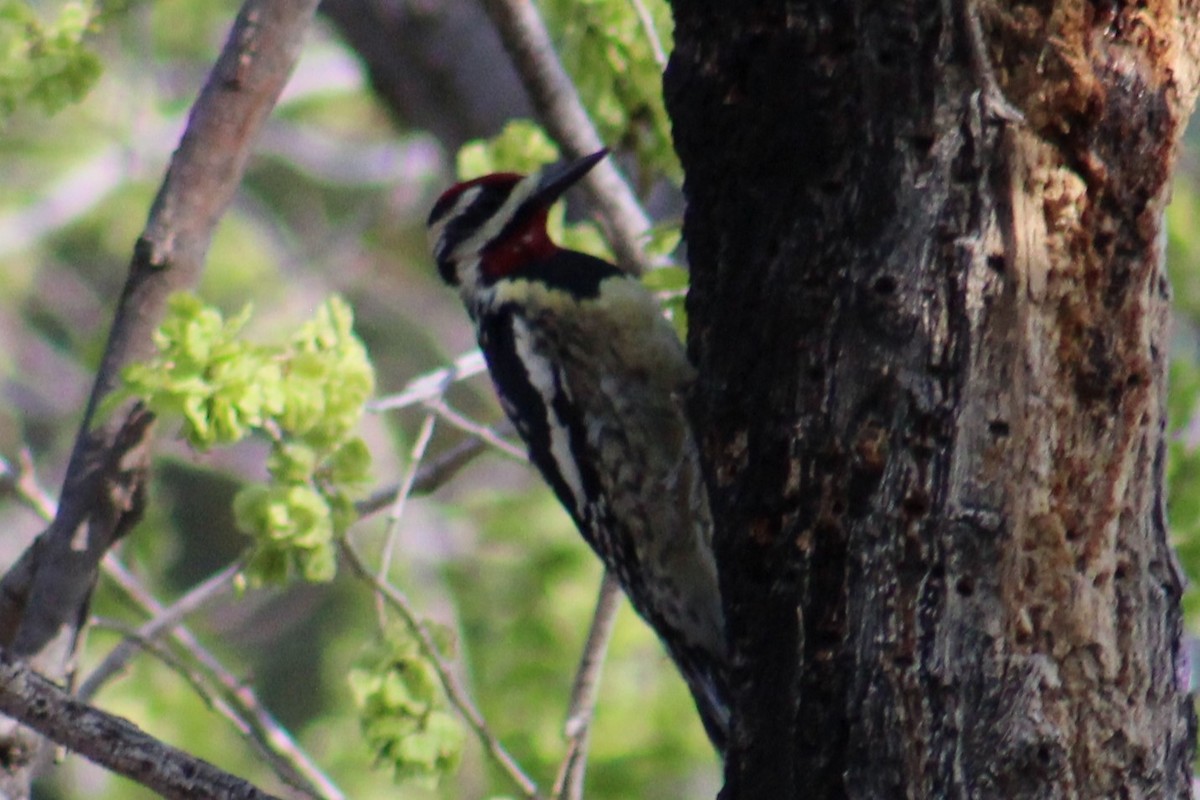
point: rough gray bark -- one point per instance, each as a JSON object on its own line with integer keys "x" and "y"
{"x": 929, "y": 313}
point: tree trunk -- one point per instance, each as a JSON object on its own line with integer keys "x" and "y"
{"x": 929, "y": 311}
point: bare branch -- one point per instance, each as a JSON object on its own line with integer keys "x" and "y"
{"x": 455, "y": 691}
{"x": 191, "y": 676}
{"x": 553, "y": 95}
{"x": 110, "y": 741}
{"x": 42, "y": 606}
{"x": 431, "y": 475}
{"x": 992, "y": 97}
{"x": 289, "y": 759}
{"x": 392, "y": 528}
{"x": 484, "y": 433}
{"x": 647, "y": 22}
{"x": 167, "y": 618}
{"x": 428, "y": 390}
{"x": 217, "y": 702}
{"x": 569, "y": 783}
{"x": 432, "y": 384}
{"x": 44, "y": 596}
{"x": 23, "y": 483}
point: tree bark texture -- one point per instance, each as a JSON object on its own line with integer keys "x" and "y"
{"x": 929, "y": 312}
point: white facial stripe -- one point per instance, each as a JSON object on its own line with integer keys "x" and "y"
{"x": 502, "y": 217}
{"x": 541, "y": 376}
{"x": 461, "y": 202}
{"x": 471, "y": 285}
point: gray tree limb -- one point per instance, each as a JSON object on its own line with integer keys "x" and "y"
{"x": 44, "y": 596}
{"x": 111, "y": 741}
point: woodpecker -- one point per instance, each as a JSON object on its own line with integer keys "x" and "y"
{"x": 592, "y": 377}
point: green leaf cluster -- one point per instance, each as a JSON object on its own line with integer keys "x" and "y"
{"x": 402, "y": 712}
{"x": 608, "y": 52}
{"x": 46, "y": 64}
{"x": 522, "y": 146}
{"x": 306, "y": 395}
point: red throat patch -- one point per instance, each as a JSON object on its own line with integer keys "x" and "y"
{"x": 527, "y": 245}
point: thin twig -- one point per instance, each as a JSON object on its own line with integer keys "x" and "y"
{"x": 432, "y": 384}
{"x": 553, "y": 95}
{"x": 482, "y": 432}
{"x": 993, "y": 97}
{"x": 647, "y": 21}
{"x": 266, "y": 729}
{"x": 193, "y": 600}
{"x": 569, "y": 783}
{"x": 454, "y": 689}
{"x": 392, "y": 528}
{"x": 192, "y": 677}
{"x": 219, "y": 705}
{"x": 23, "y": 483}
{"x": 432, "y": 474}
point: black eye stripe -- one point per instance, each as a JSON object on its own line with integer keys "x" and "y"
{"x": 444, "y": 204}
{"x": 473, "y": 217}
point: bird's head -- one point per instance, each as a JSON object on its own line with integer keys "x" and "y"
{"x": 491, "y": 227}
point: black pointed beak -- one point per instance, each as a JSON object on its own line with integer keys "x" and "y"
{"x": 553, "y": 181}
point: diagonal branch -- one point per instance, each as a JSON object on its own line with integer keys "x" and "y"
{"x": 44, "y": 597}
{"x": 283, "y": 753}
{"x": 110, "y": 741}
{"x": 203, "y": 176}
{"x": 164, "y": 619}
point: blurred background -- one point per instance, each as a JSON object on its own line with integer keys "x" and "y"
{"x": 366, "y": 136}
{"x": 363, "y": 140}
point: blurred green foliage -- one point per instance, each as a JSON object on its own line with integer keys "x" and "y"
{"x": 609, "y": 51}
{"x": 669, "y": 283}
{"x": 520, "y": 605}
{"x": 1183, "y": 447}
{"x": 45, "y": 64}
{"x": 263, "y": 446}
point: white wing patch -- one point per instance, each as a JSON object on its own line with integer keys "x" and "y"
{"x": 541, "y": 374}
